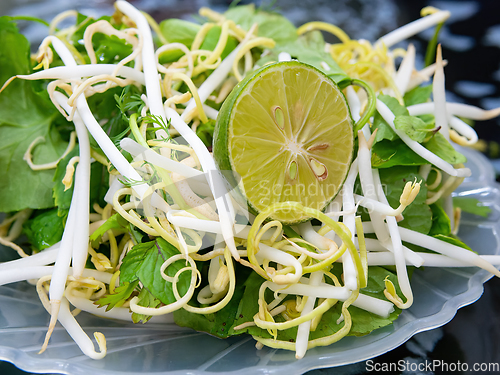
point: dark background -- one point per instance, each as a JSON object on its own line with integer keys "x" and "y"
{"x": 471, "y": 44}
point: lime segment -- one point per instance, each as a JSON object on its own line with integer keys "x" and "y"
{"x": 287, "y": 132}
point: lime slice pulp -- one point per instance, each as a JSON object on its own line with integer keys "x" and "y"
{"x": 286, "y": 131}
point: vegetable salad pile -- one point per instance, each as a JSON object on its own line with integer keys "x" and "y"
{"x": 116, "y": 206}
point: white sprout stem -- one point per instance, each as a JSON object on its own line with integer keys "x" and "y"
{"x": 76, "y": 332}
{"x": 413, "y": 28}
{"x": 369, "y": 190}
{"x": 281, "y": 257}
{"x": 438, "y": 92}
{"x": 405, "y": 70}
{"x": 455, "y": 109}
{"x": 399, "y": 258}
{"x": 441, "y": 247}
{"x": 350, "y": 274}
{"x": 105, "y": 143}
{"x": 176, "y": 217}
{"x": 135, "y": 149}
{"x": 354, "y": 103}
{"x": 430, "y": 260}
{"x": 463, "y": 129}
{"x": 303, "y": 329}
{"x": 215, "y": 180}
{"x": 120, "y": 313}
{"x": 381, "y": 208}
{"x": 44, "y": 257}
{"x": 213, "y": 81}
{"x": 87, "y": 70}
{"x": 318, "y": 291}
{"x": 424, "y": 171}
{"x": 333, "y": 211}
{"x": 210, "y": 112}
{"x": 421, "y": 76}
{"x": 310, "y": 235}
{"x": 151, "y": 77}
{"x": 432, "y": 158}
{"x": 13, "y": 275}
{"x": 81, "y": 192}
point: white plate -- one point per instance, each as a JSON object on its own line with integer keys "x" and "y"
{"x": 152, "y": 349}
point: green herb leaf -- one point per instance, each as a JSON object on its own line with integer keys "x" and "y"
{"x": 440, "y": 221}
{"x": 118, "y": 298}
{"x": 418, "y": 215}
{"x": 413, "y": 126}
{"x": 146, "y": 299}
{"x": 384, "y": 130}
{"x": 270, "y": 25}
{"x": 471, "y": 206}
{"x": 45, "y": 229}
{"x": 25, "y": 115}
{"x": 440, "y": 146}
{"x": 454, "y": 240}
{"x": 386, "y": 154}
{"x": 420, "y": 94}
{"x": 115, "y": 222}
{"x": 179, "y": 31}
{"x": 143, "y": 262}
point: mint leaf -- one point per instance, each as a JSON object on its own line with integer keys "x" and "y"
{"x": 471, "y": 206}
{"x": 45, "y": 229}
{"x": 442, "y": 148}
{"x": 143, "y": 263}
{"x": 146, "y": 299}
{"x": 118, "y": 297}
{"x": 384, "y": 130}
{"x": 418, "y": 95}
{"x": 386, "y": 154}
{"x": 413, "y": 126}
{"x": 25, "y": 115}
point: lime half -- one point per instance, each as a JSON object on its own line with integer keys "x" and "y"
{"x": 286, "y": 131}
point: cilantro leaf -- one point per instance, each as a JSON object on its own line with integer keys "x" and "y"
{"x": 25, "y": 115}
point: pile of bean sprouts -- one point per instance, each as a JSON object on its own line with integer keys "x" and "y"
{"x": 204, "y": 208}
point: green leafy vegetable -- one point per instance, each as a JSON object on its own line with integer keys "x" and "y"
{"x": 45, "y": 229}
{"x": 115, "y": 222}
{"x": 25, "y": 115}
{"x": 143, "y": 263}
{"x": 440, "y": 221}
{"x": 146, "y": 299}
{"x": 118, "y": 297}
{"x": 413, "y": 126}
{"x": 442, "y": 148}
{"x": 419, "y": 94}
{"x": 471, "y": 206}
